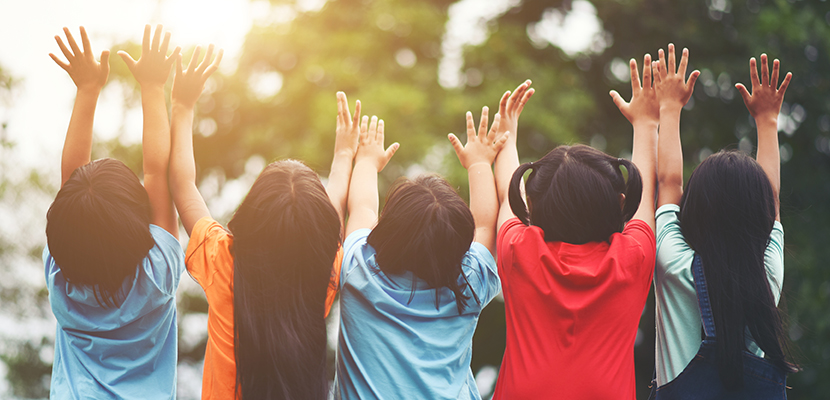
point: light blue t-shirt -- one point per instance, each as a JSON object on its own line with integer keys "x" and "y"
{"x": 678, "y": 315}
{"x": 127, "y": 352}
{"x": 395, "y": 345}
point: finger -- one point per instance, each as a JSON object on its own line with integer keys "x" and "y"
{"x": 662, "y": 60}
{"x": 164, "y": 44}
{"x": 60, "y": 63}
{"x": 194, "y": 59}
{"x": 87, "y": 46}
{"x": 482, "y": 124}
{"x": 156, "y": 38}
{"x": 215, "y": 64}
{"x": 524, "y": 100}
{"x": 635, "y": 75}
{"x": 364, "y": 125}
{"x": 764, "y": 70}
{"x": 105, "y": 61}
{"x": 145, "y": 41}
{"x": 494, "y": 128}
{"x": 774, "y": 79}
{"x": 173, "y": 56}
{"x": 341, "y": 112}
{"x": 684, "y": 63}
{"x": 514, "y": 98}
{"x": 471, "y": 127}
{"x": 356, "y": 113}
{"x": 657, "y": 73}
{"x": 647, "y": 71}
{"x": 179, "y": 65}
{"x": 503, "y": 102}
{"x": 390, "y": 151}
{"x": 206, "y": 61}
{"x": 785, "y": 84}
{"x": 66, "y": 53}
{"x": 380, "y": 131}
{"x": 744, "y": 93}
{"x": 373, "y": 129}
{"x": 72, "y": 44}
{"x": 618, "y": 100}
{"x": 500, "y": 142}
{"x": 456, "y": 145}
{"x": 672, "y": 61}
{"x": 127, "y": 59}
{"x": 753, "y": 73}
{"x": 690, "y": 84}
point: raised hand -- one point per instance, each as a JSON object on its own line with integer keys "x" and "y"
{"x": 673, "y": 90}
{"x": 371, "y": 144}
{"x": 511, "y": 106}
{"x": 87, "y": 73}
{"x": 153, "y": 67}
{"x": 347, "y": 132}
{"x": 765, "y": 100}
{"x": 483, "y": 147}
{"x": 188, "y": 84}
{"x": 643, "y": 106}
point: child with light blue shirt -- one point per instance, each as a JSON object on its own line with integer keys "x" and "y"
{"x": 414, "y": 281}
{"x": 112, "y": 262}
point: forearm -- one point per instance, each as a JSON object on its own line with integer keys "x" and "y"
{"x": 507, "y": 161}
{"x": 78, "y": 144}
{"x": 768, "y": 154}
{"x": 669, "y": 158}
{"x": 644, "y": 156}
{"x": 484, "y": 204}
{"x": 338, "y": 185}
{"x": 363, "y": 197}
{"x": 156, "y": 134}
{"x": 182, "y": 173}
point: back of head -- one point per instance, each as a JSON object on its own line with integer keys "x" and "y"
{"x": 98, "y": 228}
{"x": 285, "y": 239}
{"x": 573, "y": 194}
{"x": 425, "y": 228}
{"x": 726, "y": 215}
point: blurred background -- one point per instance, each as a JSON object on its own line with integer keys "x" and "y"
{"x": 420, "y": 65}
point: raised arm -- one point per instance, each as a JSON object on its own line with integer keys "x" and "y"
{"x": 764, "y": 104}
{"x": 151, "y": 71}
{"x": 187, "y": 87}
{"x": 477, "y": 158}
{"x": 363, "y": 189}
{"x": 510, "y": 108}
{"x": 345, "y": 147}
{"x": 673, "y": 92}
{"x": 643, "y": 112}
{"x": 89, "y": 77}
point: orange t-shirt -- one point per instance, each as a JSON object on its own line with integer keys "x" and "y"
{"x": 210, "y": 263}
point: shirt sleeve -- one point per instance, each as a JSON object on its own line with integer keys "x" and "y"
{"x": 774, "y": 260}
{"x": 351, "y": 247}
{"x": 641, "y": 233}
{"x": 167, "y": 273}
{"x": 507, "y": 233}
{"x": 673, "y": 253}
{"x": 202, "y": 250}
{"x": 486, "y": 282}
{"x": 334, "y": 284}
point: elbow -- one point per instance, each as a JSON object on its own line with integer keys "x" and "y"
{"x": 665, "y": 178}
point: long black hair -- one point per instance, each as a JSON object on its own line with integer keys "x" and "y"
{"x": 425, "y": 228}
{"x": 726, "y": 215}
{"x": 574, "y": 194}
{"x": 98, "y": 228}
{"x": 285, "y": 238}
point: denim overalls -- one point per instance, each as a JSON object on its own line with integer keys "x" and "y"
{"x": 700, "y": 379}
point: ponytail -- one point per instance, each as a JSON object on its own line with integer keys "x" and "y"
{"x": 633, "y": 188}
{"x": 514, "y": 193}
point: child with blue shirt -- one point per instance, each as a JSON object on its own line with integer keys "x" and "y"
{"x": 414, "y": 281}
{"x": 112, "y": 262}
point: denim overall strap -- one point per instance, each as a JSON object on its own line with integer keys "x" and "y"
{"x": 703, "y": 297}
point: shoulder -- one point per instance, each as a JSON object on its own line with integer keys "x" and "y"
{"x": 356, "y": 251}
{"x": 165, "y": 241}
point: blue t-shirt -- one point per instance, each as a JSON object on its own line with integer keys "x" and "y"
{"x": 127, "y": 352}
{"x": 396, "y": 345}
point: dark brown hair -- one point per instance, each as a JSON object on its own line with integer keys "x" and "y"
{"x": 98, "y": 228}
{"x": 285, "y": 238}
{"x": 425, "y": 228}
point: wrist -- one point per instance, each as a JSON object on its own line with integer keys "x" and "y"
{"x": 343, "y": 155}
{"x": 670, "y": 108}
{"x": 182, "y": 106}
{"x": 366, "y": 163}
{"x": 645, "y": 124}
{"x": 88, "y": 91}
{"x": 766, "y": 120}
{"x": 479, "y": 164}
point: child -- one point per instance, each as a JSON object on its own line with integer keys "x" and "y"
{"x": 576, "y": 262}
{"x": 271, "y": 280}
{"x": 112, "y": 262}
{"x": 413, "y": 286}
{"x": 721, "y": 236}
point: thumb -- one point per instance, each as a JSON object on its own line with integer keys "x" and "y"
{"x": 127, "y": 59}
{"x": 499, "y": 144}
{"x": 456, "y": 144}
{"x": 744, "y": 93}
{"x": 690, "y": 84}
{"x": 618, "y": 100}
{"x": 391, "y": 150}
{"x": 105, "y": 61}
